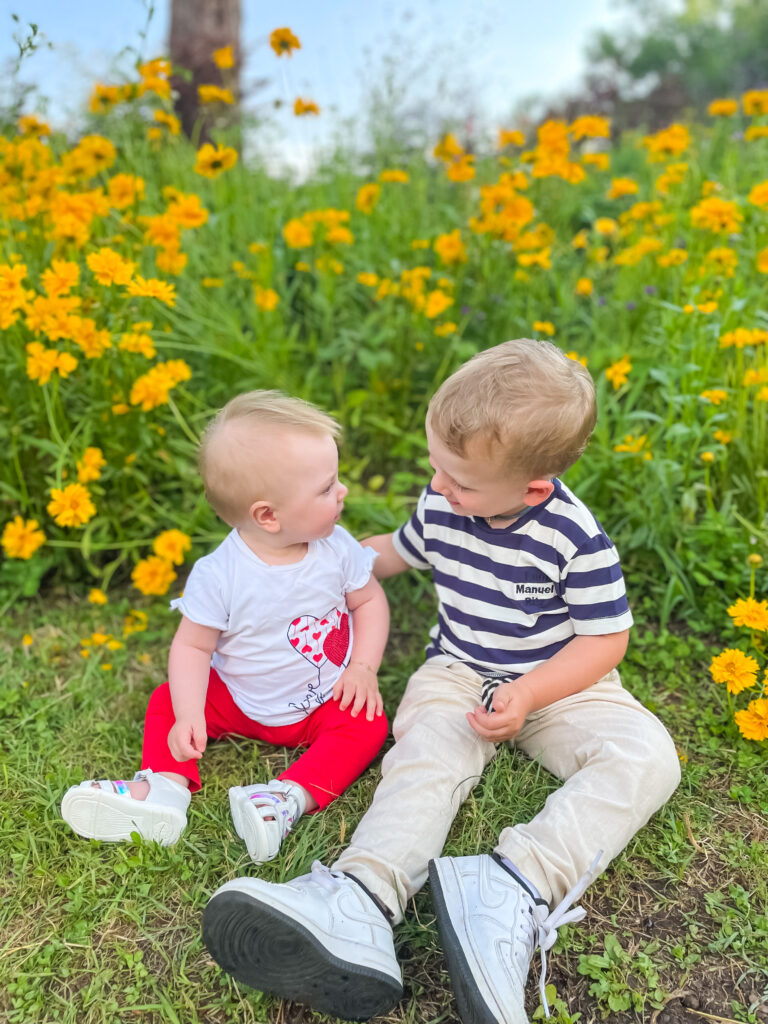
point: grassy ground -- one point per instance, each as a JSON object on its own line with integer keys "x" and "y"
{"x": 677, "y": 929}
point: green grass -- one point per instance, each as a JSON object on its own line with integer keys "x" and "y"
{"x": 94, "y": 932}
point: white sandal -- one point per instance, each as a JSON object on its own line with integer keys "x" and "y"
{"x": 104, "y": 809}
{"x": 263, "y": 815}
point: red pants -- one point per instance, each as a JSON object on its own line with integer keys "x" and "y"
{"x": 339, "y": 747}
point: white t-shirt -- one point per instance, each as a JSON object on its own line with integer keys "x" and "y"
{"x": 286, "y": 633}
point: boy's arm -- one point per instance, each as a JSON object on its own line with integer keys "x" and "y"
{"x": 389, "y": 562}
{"x": 579, "y": 664}
{"x": 358, "y": 684}
{"x": 189, "y": 664}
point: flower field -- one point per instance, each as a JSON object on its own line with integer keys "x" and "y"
{"x": 146, "y": 278}
{"x": 143, "y": 281}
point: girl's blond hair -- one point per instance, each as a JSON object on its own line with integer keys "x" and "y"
{"x": 526, "y": 400}
{"x": 232, "y": 483}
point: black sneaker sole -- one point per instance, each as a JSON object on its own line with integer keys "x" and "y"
{"x": 473, "y": 1009}
{"x": 269, "y": 951}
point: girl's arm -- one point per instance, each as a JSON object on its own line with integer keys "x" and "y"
{"x": 189, "y": 664}
{"x": 358, "y": 684}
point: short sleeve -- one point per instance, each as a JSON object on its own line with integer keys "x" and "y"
{"x": 204, "y": 600}
{"x": 408, "y": 541}
{"x": 594, "y": 589}
{"x": 356, "y": 561}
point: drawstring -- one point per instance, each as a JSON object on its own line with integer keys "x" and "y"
{"x": 547, "y": 926}
{"x": 328, "y": 879}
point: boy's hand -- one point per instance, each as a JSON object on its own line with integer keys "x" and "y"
{"x": 358, "y": 686}
{"x": 187, "y": 738}
{"x": 512, "y": 703}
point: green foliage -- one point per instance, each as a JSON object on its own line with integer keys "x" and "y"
{"x": 620, "y": 981}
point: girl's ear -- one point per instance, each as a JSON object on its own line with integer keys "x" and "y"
{"x": 264, "y": 515}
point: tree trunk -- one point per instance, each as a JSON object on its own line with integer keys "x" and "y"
{"x": 198, "y": 27}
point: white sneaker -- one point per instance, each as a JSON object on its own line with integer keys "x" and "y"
{"x": 490, "y": 925}
{"x": 106, "y": 810}
{"x": 263, "y": 815}
{"x": 318, "y": 939}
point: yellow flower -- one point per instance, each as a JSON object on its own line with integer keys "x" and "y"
{"x": 153, "y": 388}
{"x": 756, "y": 131}
{"x": 284, "y": 42}
{"x": 187, "y": 211}
{"x": 618, "y": 372}
{"x": 395, "y": 175}
{"x": 21, "y": 538}
{"x": 60, "y": 277}
{"x": 634, "y": 445}
{"x": 135, "y": 622}
{"x": 71, "y": 506}
{"x": 297, "y": 234}
{"x": 622, "y": 187}
{"x": 302, "y": 107}
{"x": 602, "y": 161}
{"x": 754, "y": 560}
{"x": 420, "y": 243}
{"x": 124, "y": 190}
{"x": 750, "y": 613}
{"x": 214, "y": 160}
{"x": 266, "y": 299}
{"x": 755, "y": 101}
{"x": 450, "y": 248}
{"x": 762, "y": 261}
{"x": 224, "y": 57}
{"x": 214, "y": 94}
{"x": 90, "y": 466}
{"x": 714, "y": 395}
{"x": 153, "y": 288}
{"x": 443, "y": 330}
{"x": 339, "y": 235}
{"x": 735, "y": 669}
{"x": 436, "y": 303}
{"x": 722, "y": 108}
{"x": 707, "y": 456}
{"x": 577, "y": 357}
{"x": 718, "y": 215}
{"x": 153, "y": 575}
{"x": 606, "y": 226}
{"x": 139, "y": 343}
{"x": 590, "y": 126}
{"x": 171, "y": 122}
{"x": 723, "y": 436}
{"x": 448, "y": 148}
{"x": 172, "y": 545}
{"x": 97, "y": 596}
{"x": 753, "y": 723}
{"x": 368, "y": 279}
{"x": 212, "y": 282}
{"x": 367, "y": 197}
{"x": 109, "y": 267}
{"x": 584, "y": 286}
{"x": 509, "y": 138}
{"x": 544, "y": 327}
{"x": 673, "y": 258}
{"x": 758, "y": 195}
{"x": 461, "y": 168}
{"x": 27, "y": 640}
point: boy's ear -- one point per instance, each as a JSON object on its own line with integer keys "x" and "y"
{"x": 538, "y": 491}
{"x": 262, "y": 514}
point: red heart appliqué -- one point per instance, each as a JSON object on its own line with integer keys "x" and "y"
{"x": 336, "y": 643}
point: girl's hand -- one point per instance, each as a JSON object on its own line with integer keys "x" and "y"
{"x": 358, "y": 686}
{"x": 512, "y": 704}
{"x": 187, "y": 738}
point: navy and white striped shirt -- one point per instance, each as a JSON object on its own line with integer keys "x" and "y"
{"x": 509, "y": 599}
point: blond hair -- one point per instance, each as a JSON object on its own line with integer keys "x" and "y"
{"x": 525, "y": 399}
{"x": 233, "y": 481}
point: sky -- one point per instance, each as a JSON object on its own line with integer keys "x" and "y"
{"x": 478, "y": 57}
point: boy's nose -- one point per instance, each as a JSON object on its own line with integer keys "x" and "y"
{"x": 438, "y": 482}
{"x": 343, "y": 491}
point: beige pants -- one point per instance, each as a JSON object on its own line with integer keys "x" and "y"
{"x": 618, "y": 762}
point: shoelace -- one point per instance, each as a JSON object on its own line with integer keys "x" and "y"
{"x": 324, "y": 877}
{"x": 547, "y": 927}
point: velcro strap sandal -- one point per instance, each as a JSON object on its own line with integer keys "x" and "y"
{"x": 104, "y": 809}
{"x": 263, "y": 815}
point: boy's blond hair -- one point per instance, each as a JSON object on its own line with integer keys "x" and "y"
{"x": 526, "y": 399}
{"x": 232, "y": 484}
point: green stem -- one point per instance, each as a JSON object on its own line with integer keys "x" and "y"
{"x": 182, "y": 422}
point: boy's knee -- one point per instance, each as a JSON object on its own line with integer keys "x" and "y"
{"x": 661, "y": 775}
